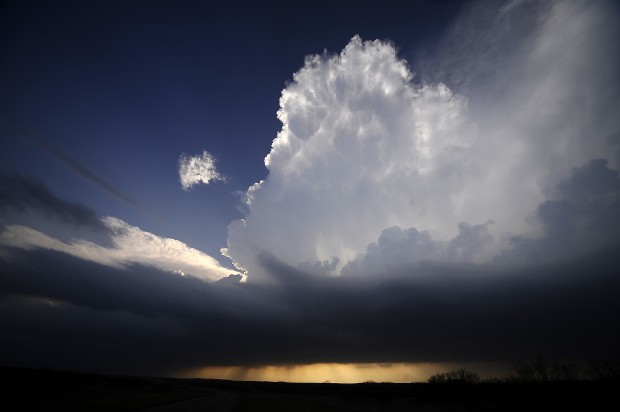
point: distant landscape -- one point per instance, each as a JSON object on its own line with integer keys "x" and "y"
{"x": 50, "y": 390}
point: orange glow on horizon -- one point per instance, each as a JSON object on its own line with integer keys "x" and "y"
{"x": 335, "y": 372}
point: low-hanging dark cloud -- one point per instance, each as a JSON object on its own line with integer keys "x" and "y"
{"x": 60, "y": 311}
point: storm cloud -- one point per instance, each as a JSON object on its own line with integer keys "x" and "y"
{"x": 484, "y": 134}
{"x": 61, "y": 311}
{"x": 468, "y": 213}
{"x": 64, "y": 310}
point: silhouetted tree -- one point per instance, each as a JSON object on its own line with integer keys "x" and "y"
{"x": 603, "y": 369}
{"x": 542, "y": 370}
{"x": 456, "y": 376}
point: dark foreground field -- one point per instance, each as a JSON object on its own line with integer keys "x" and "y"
{"x": 43, "y": 390}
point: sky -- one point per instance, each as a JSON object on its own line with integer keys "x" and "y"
{"x": 329, "y": 191}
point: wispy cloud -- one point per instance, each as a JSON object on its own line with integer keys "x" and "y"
{"x": 129, "y": 245}
{"x": 77, "y": 166}
{"x": 197, "y": 169}
{"x": 23, "y": 193}
{"x": 32, "y": 217}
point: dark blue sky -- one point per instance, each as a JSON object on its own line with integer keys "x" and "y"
{"x": 126, "y": 87}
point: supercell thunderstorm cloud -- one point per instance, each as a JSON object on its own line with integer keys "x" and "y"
{"x": 462, "y": 205}
{"x": 366, "y": 155}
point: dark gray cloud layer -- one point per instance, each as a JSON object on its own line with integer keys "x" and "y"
{"x": 58, "y": 311}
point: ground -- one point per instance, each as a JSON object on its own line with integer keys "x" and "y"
{"x": 45, "y": 390}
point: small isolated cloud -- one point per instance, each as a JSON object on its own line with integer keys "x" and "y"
{"x": 198, "y": 169}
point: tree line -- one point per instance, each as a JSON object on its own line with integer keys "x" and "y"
{"x": 537, "y": 370}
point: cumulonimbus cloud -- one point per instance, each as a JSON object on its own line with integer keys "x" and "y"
{"x": 363, "y": 148}
{"x": 371, "y": 175}
{"x": 197, "y": 169}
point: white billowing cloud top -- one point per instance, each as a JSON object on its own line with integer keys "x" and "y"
{"x": 362, "y": 149}
{"x": 197, "y": 169}
{"x": 131, "y": 245}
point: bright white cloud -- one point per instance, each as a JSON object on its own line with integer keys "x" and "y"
{"x": 363, "y": 149}
{"x": 130, "y": 246}
{"x": 198, "y": 169}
